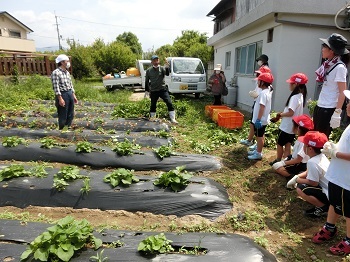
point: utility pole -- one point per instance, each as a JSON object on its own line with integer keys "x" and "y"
{"x": 58, "y": 34}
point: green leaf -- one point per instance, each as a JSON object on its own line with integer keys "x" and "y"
{"x": 65, "y": 255}
{"x": 41, "y": 254}
{"x": 26, "y": 254}
{"x": 98, "y": 242}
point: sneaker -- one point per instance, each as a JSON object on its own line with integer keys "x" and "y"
{"x": 253, "y": 147}
{"x": 246, "y": 142}
{"x": 323, "y": 235}
{"x": 255, "y": 156}
{"x": 252, "y": 152}
{"x": 342, "y": 248}
{"x": 315, "y": 212}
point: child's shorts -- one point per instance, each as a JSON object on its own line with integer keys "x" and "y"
{"x": 296, "y": 169}
{"x": 339, "y": 198}
{"x": 259, "y": 132}
{"x": 285, "y": 138}
{"x": 315, "y": 191}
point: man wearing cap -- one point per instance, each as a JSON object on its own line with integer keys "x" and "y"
{"x": 338, "y": 190}
{"x": 155, "y": 85}
{"x": 312, "y": 186}
{"x": 332, "y": 74}
{"x": 64, "y": 92}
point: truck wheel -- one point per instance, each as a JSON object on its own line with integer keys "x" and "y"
{"x": 197, "y": 95}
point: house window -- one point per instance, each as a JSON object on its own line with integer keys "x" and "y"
{"x": 245, "y": 58}
{"x": 227, "y": 60}
{"x": 270, "y": 35}
{"x": 14, "y": 34}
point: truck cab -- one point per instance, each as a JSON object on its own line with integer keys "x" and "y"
{"x": 187, "y": 75}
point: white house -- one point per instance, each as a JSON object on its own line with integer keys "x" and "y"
{"x": 13, "y": 35}
{"x": 287, "y": 31}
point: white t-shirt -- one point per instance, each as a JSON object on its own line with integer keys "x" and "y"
{"x": 329, "y": 93}
{"x": 257, "y": 89}
{"x": 338, "y": 170}
{"x": 296, "y": 104}
{"x": 263, "y": 99}
{"x": 316, "y": 169}
{"x": 298, "y": 150}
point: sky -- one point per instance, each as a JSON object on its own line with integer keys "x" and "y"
{"x": 154, "y": 22}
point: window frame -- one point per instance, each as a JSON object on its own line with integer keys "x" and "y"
{"x": 228, "y": 56}
{"x": 245, "y": 59}
{"x": 14, "y": 33}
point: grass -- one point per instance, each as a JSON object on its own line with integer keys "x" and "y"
{"x": 262, "y": 208}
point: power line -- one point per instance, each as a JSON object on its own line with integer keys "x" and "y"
{"x": 124, "y": 26}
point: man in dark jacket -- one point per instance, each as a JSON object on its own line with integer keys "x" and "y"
{"x": 155, "y": 85}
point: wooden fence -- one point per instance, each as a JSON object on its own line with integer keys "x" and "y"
{"x": 26, "y": 63}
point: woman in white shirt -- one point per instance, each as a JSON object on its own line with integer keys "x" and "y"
{"x": 332, "y": 73}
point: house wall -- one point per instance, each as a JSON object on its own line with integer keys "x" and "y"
{"x": 15, "y": 44}
{"x": 9, "y": 43}
{"x": 295, "y": 48}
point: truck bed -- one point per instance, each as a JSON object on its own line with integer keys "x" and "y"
{"x": 114, "y": 83}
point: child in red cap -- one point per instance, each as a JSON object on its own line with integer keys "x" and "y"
{"x": 297, "y": 163}
{"x": 339, "y": 190}
{"x": 254, "y": 94}
{"x": 312, "y": 186}
{"x": 261, "y": 114}
{"x": 294, "y": 107}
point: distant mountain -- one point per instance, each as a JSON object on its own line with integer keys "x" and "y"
{"x": 47, "y": 49}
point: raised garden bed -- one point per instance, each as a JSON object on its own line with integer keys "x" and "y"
{"x": 15, "y": 235}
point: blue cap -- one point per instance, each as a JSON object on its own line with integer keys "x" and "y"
{"x": 154, "y": 57}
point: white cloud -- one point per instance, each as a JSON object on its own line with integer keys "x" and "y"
{"x": 154, "y": 22}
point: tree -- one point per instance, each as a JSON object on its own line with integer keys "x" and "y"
{"x": 132, "y": 41}
{"x": 188, "y": 38}
{"x": 82, "y": 60}
{"x": 166, "y": 51}
{"x": 194, "y": 44}
{"x": 204, "y": 52}
{"x": 115, "y": 57}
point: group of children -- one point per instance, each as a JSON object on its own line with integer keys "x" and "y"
{"x": 321, "y": 182}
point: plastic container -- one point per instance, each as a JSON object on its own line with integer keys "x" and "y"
{"x": 209, "y": 109}
{"x": 216, "y": 112}
{"x": 231, "y": 98}
{"x": 230, "y": 120}
{"x": 132, "y": 71}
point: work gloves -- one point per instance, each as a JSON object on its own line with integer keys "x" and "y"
{"x": 335, "y": 120}
{"x": 293, "y": 182}
{"x": 278, "y": 164}
{"x": 330, "y": 150}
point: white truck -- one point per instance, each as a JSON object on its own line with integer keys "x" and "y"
{"x": 187, "y": 75}
{"x": 112, "y": 83}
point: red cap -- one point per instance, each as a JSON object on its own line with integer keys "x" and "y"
{"x": 304, "y": 121}
{"x": 263, "y": 69}
{"x": 298, "y": 78}
{"x": 266, "y": 77}
{"x": 314, "y": 139}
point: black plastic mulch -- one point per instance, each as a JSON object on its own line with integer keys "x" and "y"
{"x": 121, "y": 124}
{"x": 86, "y": 135}
{"x": 142, "y": 161}
{"x": 220, "y": 247}
{"x": 202, "y": 196}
